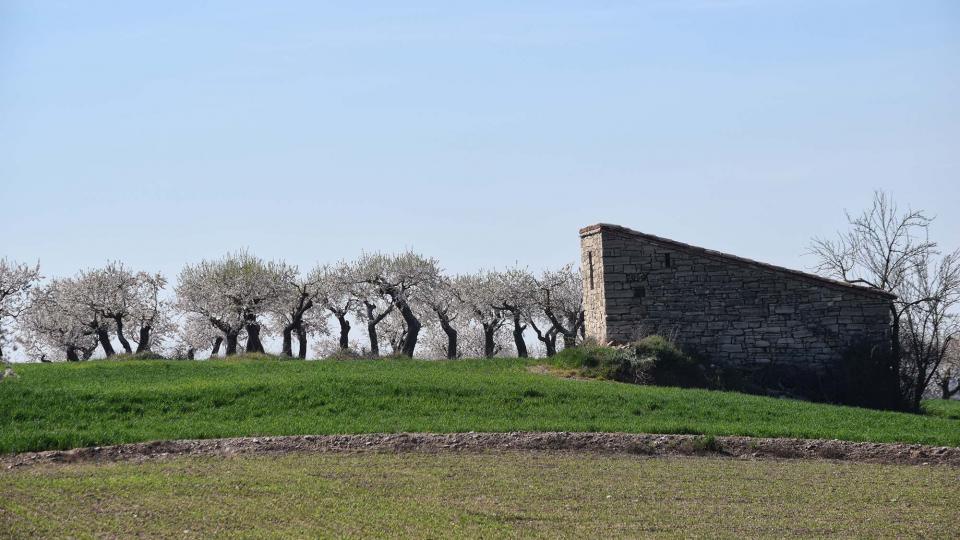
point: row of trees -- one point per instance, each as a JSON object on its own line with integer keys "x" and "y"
{"x": 408, "y": 305}
{"x": 405, "y": 302}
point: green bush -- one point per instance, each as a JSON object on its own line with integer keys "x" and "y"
{"x": 652, "y": 360}
{"x": 655, "y": 360}
{"x": 707, "y": 443}
{"x": 591, "y": 360}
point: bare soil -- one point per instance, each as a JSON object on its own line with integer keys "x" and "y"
{"x": 604, "y": 443}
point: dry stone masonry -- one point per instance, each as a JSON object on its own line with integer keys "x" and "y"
{"x": 733, "y": 312}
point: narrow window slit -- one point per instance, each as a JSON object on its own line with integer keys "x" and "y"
{"x": 590, "y": 264}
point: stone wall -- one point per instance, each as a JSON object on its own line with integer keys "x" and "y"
{"x": 732, "y": 311}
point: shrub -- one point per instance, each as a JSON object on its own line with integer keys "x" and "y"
{"x": 707, "y": 443}
{"x": 655, "y": 360}
{"x": 652, "y": 360}
{"x": 591, "y": 360}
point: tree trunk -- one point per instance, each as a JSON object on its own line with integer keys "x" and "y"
{"x": 372, "y": 322}
{"x": 302, "y": 341}
{"x": 374, "y": 339}
{"x": 72, "y": 355}
{"x": 919, "y": 387}
{"x": 413, "y": 329}
{"x": 451, "y": 336}
{"x": 104, "y": 338}
{"x": 122, "y": 338}
{"x": 344, "y": 330}
{"x": 569, "y": 340}
{"x": 253, "y": 334}
{"x": 296, "y": 325}
{"x": 518, "y": 329}
{"x": 191, "y": 352}
{"x": 143, "y": 345}
{"x": 551, "y": 344}
{"x": 489, "y": 345}
{"x": 549, "y": 339}
{"x": 287, "y": 348}
{"x": 216, "y": 346}
{"x": 231, "y": 339}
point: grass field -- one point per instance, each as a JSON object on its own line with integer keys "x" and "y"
{"x": 59, "y": 406}
{"x": 477, "y": 495}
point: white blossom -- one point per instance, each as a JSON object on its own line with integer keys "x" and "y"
{"x": 16, "y": 280}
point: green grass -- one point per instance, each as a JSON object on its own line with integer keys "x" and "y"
{"x": 530, "y": 494}
{"x": 58, "y": 406}
{"x": 945, "y": 408}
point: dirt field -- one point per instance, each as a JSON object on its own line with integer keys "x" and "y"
{"x": 605, "y": 443}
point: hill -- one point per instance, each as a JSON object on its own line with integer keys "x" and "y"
{"x": 60, "y": 406}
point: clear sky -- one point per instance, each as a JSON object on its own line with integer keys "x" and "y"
{"x": 159, "y": 133}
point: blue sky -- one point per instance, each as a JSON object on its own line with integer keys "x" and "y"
{"x": 162, "y": 133}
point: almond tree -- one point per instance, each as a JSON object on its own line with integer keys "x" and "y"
{"x": 545, "y": 330}
{"x": 560, "y": 298}
{"x": 149, "y": 313}
{"x": 394, "y": 331}
{"x": 890, "y": 250}
{"x": 475, "y": 343}
{"x": 335, "y": 295}
{"x": 476, "y": 292}
{"x": 371, "y": 308}
{"x": 195, "y": 334}
{"x": 128, "y": 299}
{"x": 513, "y": 291}
{"x": 396, "y": 278}
{"x": 16, "y": 280}
{"x": 300, "y": 296}
{"x": 233, "y": 293}
{"x": 53, "y": 323}
{"x": 441, "y": 302}
{"x": 107, "y": 293}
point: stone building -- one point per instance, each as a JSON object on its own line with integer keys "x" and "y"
{"x": 733, "y": 312}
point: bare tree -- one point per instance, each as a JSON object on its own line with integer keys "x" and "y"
{"x": 930, "y": 322}
{"x": 16, "y": 280}
{"x": 890, "y": 250}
